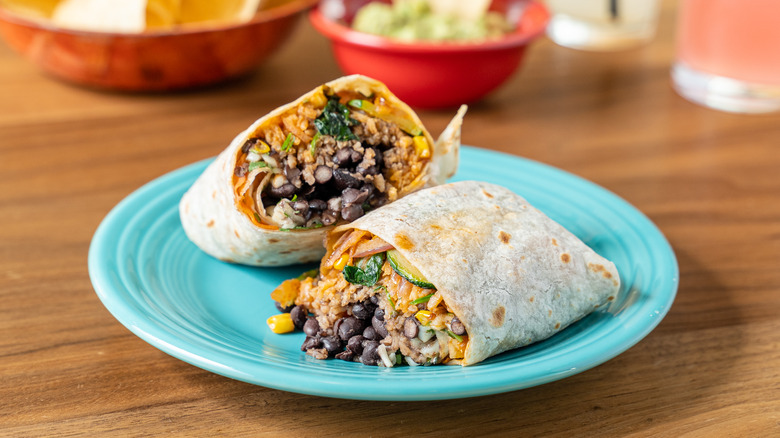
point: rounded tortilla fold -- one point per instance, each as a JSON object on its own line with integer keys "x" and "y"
{"x": 210, "y": 216}
{"x": 512, "y": 275}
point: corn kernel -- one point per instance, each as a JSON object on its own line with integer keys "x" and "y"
{"x": 457, "y": 349}
{"x": 421, "y": 146}
{"x": 281, "y": 323}
{"x": 424, "y": 316}
{"x": 341, "y": 262}
{"x": 319, "y": 99}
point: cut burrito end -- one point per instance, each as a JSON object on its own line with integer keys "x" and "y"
{"x": 347, "y": 147}
{"x": 372, "y": 306}
{"x": 448, "y": 275}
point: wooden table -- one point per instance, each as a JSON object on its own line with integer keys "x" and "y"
{"x": 709, "y": 180}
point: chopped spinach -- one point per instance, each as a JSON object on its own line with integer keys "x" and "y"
{"x": 367, "y": 276}
{"x": 335, "y": 121}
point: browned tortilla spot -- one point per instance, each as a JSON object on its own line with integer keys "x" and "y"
{"x": 236, "y": 233}
{"x": 549, "y": 312}
{"x": 403, "y": 242}
{"x": 487, "y": 194}
{"x": 531, "y": 299}
{"x": 595, "y": 268}
{"x": 555, "y": 242}
{"x": 498, "y": 316}
{"x": 557, "y": 325}
{"x": 436, "y": 227}
{"x": 610, "y": 298}
{"x": 504, "y": 236}
{"x": 272, "y": 240}
{"x": 565, "y": 258}
{"x": 286, "y": 251}
{"x": 214, "y": 194}
{"x": 607, "y": 274}
{"x": 210, "y": 223}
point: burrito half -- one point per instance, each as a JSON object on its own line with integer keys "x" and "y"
{"x": 346, "y": 147}
{"x": 451, "y": 274}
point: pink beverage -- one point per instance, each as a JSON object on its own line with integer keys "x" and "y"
{"x": 728, "y": 54}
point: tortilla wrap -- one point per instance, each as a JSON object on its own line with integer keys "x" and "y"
{"x": 511, "y": 275}
{"x": 231, "y": 214}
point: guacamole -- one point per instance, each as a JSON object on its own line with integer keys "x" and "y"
{"x": 414, "y": 20}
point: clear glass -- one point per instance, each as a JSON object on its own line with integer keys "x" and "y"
{"x": 602, "y": 24}
{"x": 728, "y": 54}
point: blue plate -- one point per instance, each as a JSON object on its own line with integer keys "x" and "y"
{"x": 212, "y": 314}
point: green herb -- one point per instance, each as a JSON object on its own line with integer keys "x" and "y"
{"x": 294, "y": 198}
{"x": 335, "y": 121}
{"x": 256, "y": 164}
{"x": 423, "y": 299}
{"x": 309, "y": 274}
{"x": 302, "y": 227}
{"x": 390, "y": 299}
{"x": 454, "y": 336}
{"x": 288, "y": 142}
{"x": 367, "y": 276}
{"x": 399, "y": 358}
{"x": 313, "y": 144}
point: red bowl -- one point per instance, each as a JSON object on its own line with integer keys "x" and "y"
{"x": 153, "y": 61}
{"x": 425, "y": 74}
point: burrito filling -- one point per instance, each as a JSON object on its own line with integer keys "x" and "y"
{"x": 329, "y": 160}
{"x": 370, "y": 305}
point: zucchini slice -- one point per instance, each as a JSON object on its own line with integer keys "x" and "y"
{"x": 406, "y": 270}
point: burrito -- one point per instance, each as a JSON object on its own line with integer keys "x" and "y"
{"x": 452, "y": 274}
{"x": 345, "y": 148}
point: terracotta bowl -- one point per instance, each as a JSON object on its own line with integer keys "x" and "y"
{"x": 153, "y": 61}
{"x": 431, "y": 75}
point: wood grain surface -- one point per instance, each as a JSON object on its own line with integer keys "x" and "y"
{"x": 710, "y": 181}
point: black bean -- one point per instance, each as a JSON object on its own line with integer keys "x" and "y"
{"x": 379, "y": 158}
{"x": 306, "y": 190}
{"x": 299, "y": 316}
{"x": 284, "y": 191}
{"x": 355, "y": 156}
{"x": 343, "y": 179}
{"x": 335, "y": 329}
{"x": 292, "y": 173}
{"x": 352, "y": 212}
{"x": 328, "y": 218}
{"x": 370, "y": 355}
{"x": 370, "y": 170}
{"x": 350, "y": 327}
{"x": 283, "y": 309}
{"x": 323, "y": 174}
{"x": 379, "y": 313}
{"x": 369, "y": 333}
{"x": 346, "y": 355}
{"x": 361, "y": 311}
{"x": 410, "y": 327}
{"x": 301, "y": 206}
{"x": 248, "y": 145}
{"x": 343, "y": 157}
{"x": 355, "y": 344}
{"x": 374, "y": 299}
{"x": 311, "y": 327}
{"x": 317, "y": 204}
{"x": 379, "y": 327}
{"x": 332, "y": 344}
{"x": 241, "y": 170}
{"x": 354, "y": 196}
{"x": 311, "y": 342}
{"x": 457, "y": 327}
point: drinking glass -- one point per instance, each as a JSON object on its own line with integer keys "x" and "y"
{"x": 728, "y": 54}
{"x": 602, "y": 24}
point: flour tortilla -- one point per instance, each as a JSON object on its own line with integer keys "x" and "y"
{"x": 512, "y": 275}
{"x": 212, "y": 220}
